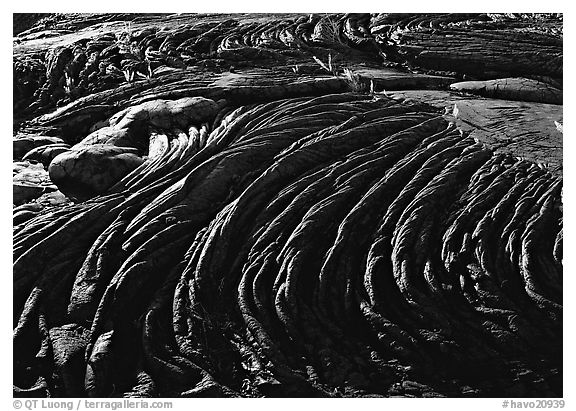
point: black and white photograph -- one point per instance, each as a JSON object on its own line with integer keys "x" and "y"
{"x": 287, "y": 205}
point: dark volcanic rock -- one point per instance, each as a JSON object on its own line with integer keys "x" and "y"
{"x": 289, "y": 205}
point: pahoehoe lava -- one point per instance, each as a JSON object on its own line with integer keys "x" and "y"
{"x": 250, "y": 231}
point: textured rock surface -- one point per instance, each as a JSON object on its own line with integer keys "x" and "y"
{"x": 290, "y": 205}
{"x": 520, "y": 89}
{"x": 528, "y": 130}
{"x": 87, "y": 171}
{"x": 30, "y": 181}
